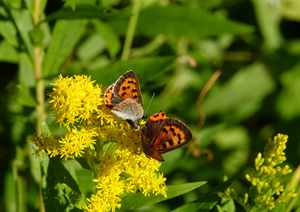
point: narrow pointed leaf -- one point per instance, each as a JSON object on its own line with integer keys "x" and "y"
{"x": 66, "y": 34}
{"x": 138, "y": 200}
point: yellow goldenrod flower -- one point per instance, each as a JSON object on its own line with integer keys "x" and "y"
{"x": 76, "y": 142}
{"x": 75, "y": 99}
{"x": 141, "y": 172}
{"x": 111, "y": 147}
{"x": 264, "y": 178}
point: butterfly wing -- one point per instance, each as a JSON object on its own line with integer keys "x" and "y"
{"x": 153, "y": 126}
{"x": 172, "y": 135}
{"x": 124, "y": 98}
{"x": 149, "y": 150}
{"x": 150, "y": 132}
{"x": 110, "y": 99}
{"x": 128, "y": 87}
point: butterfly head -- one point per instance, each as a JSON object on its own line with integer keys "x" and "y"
{"x": 144, "y": 116}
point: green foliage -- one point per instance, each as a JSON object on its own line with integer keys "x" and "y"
{"x": 65, "y": 36}
{"x": 138, "y": 200}
{"x": 177, "y": 46}
{"x": 196, "y": 23}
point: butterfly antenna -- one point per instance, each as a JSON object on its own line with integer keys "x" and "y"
{"x": 150, "y": 101}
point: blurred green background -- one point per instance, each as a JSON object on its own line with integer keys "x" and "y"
{"x": 177, "y": 47}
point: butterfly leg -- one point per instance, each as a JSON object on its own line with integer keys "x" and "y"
{"x": 133, "y": 124}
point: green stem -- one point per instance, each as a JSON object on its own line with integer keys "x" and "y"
{"x": 40, "y": 88}
{"x": 131, "y": 29}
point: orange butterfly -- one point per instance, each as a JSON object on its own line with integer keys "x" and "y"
{"x": 161, "y": 134}
{"x": 124, "y": 98}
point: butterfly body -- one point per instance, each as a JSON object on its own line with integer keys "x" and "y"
{"x": 161, "y": 134}
{"x": 124, "y": 99}
{"x": 128, "y": 109}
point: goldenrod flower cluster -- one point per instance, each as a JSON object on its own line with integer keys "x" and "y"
{"x": 111, "y": 147}
{"x": 140, "y": 174}
{"x": 76, "y": 99}
{"x": 265, "y": 178}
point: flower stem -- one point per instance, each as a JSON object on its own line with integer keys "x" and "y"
{"x": 131, "y": 29}
{"x": 40, "y": 89}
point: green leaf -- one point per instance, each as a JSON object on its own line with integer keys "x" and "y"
{"x": 146, "y": 67}
{"x": 108, "y": 35}
{"x": 26, "y": 75}
{"x": 84, "y": 164}
{"x": 7, "y": 28}
{"x": 62, "y": 174}
{"x": 236, "y": 143}
{"x": 138, "y": 200}
{"x": 173, "y": 160}
{"x": 55, "y": 183}
{"x": 77, "y": 199}
{"x": 11, "y": 33}
{"x": 36, "y": 35}
{"x": 280, "y": 207}
{"x": 294, "y": 47}
{"x": 23, "y": 22}
{"x": 90, "y": 47}
{"x": 56, "y": 179}
{"x": 15, "y": 4}
{"x": 268, "y": 24}
{"x": 53, "y": 194}
{"x": 98, "y": 62}
{"x": 85, "y": 181}
{"x": 289, "y": 99}
{"x": 10, "y": 192}
{"x": 226, "y": 205}
{"x": 44, "y": 126}
{"x": 207, "y": 134}
{"x": 125, "y": 176}
{"x": 206, "y": 201}
{"x": 8, "y": 53}
{"x": 290, "y": 10}
{"x": 210, "y": 4}
{"x": 242, "y": 95}
{"x": 177, "y": 21}
{"x": 65, "y": 36}
{"x": 24, "y": 96}
{"x": 83, "y": 11}
{"x": 110, "y": 3}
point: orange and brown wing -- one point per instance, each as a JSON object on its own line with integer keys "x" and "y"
{"x": 149, "y": 150}
{"x": 172, "y": 135}
{"x": 149, "y": 132}
{"x": 128, "y": 87}
{"x": 110, "y": 98}
{"x": 153, "y": 126}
